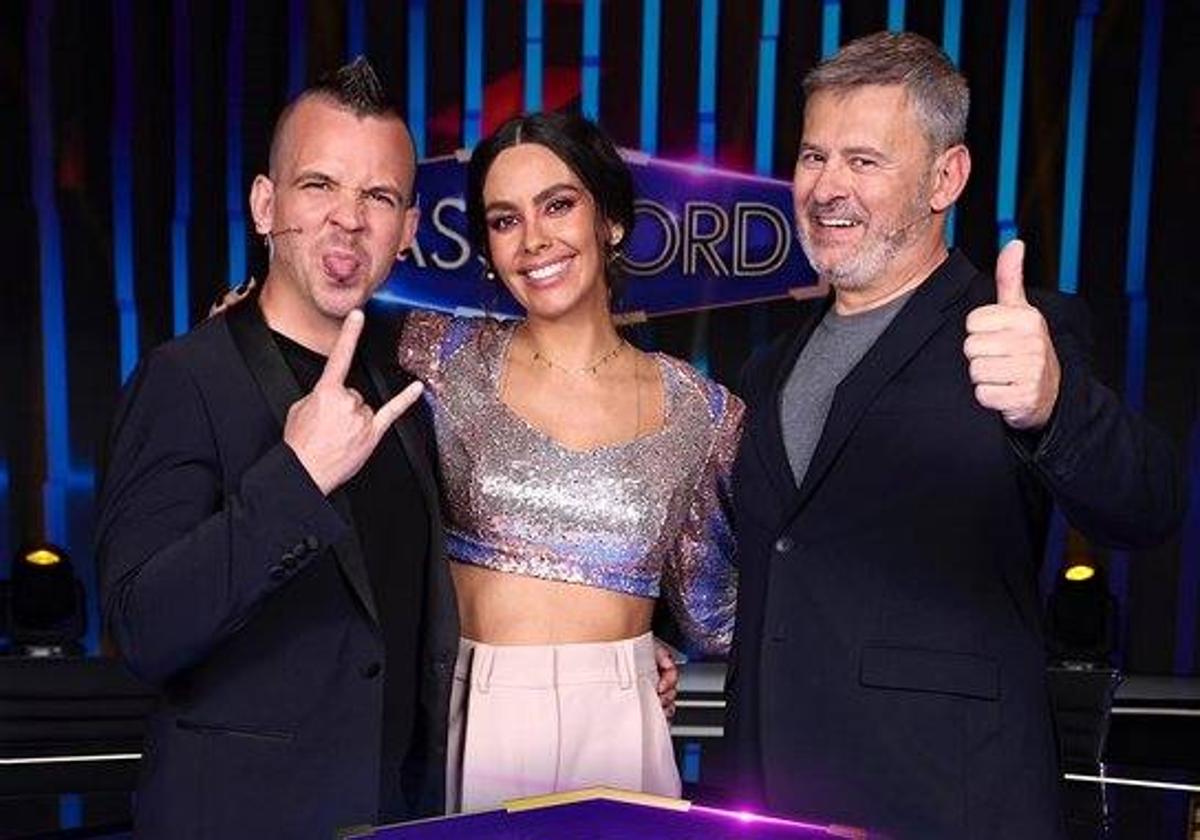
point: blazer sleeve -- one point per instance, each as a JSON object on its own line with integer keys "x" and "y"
{"x": 1117, "y": 478}
{"x": 186, "y": 553}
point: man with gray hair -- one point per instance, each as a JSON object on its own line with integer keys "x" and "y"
{"x": 902, "y": 452}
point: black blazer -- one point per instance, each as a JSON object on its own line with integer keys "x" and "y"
{"x": 228, "y": 580}
{"x": 888, "y": 663}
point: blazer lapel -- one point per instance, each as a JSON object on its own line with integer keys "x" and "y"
{"x": 382, "y": 366}
{"x": 920, "y": 318}
{"x": 274, "y": 378}
{"x": 768, "y": 432}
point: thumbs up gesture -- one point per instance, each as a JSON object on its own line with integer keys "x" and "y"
{"x": 1011, "y": 358}
{"x": 331, "y": 430}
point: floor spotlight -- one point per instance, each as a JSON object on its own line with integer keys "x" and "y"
{"x": 46, "y": 613}
{"x": 1081, "y": 613}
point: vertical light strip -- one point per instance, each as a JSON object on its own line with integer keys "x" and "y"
{"x": 121, "y": 152}
{"x": 416, "y": 73}
{"x": 235, "y": 47}
{"x": 952, "y": 46}
{"x": 768, "y": 56}
{"x": 589, "y": 73}
{"x": 70, "y": 810}
{"x": 473, "y": 96}
{"x": 706, "y": 95}
{"x": 831, "y": 27}
{"x": 533, "y": 55}
{"x": 182, "y": 79}
{"x": 297, "y": 46}
{"x": 50, "y": 270}
{"x": 895, "y": 15}
{"x": 706, "y": 142}
{"x": 5, "y": 522}
{"x": 1076, "y": 151}
{"x": 952, "y": 30}
{"x": 651, "y": 24}
{"x": 1142, "y": 179}
{"x": 356, "y": 29}
{"x": 689, "y": 769}
{"x": 764, "y": 135}
{"x": 1010, "y": 123}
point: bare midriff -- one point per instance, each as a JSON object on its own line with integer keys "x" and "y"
{"x": 502, "y": 608}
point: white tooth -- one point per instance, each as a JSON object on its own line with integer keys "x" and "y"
{"x": 547, "y": 271}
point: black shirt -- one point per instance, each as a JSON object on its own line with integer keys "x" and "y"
{"x": 392, "y": 524}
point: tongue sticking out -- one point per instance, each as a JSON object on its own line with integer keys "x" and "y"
{"x": 339, "y": 266}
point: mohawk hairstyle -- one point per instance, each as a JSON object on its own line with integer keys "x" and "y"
{"x": 355, "y": 86}
{"x": 352, "y": 86}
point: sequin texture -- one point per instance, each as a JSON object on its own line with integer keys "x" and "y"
{"x": 643, "y": 518}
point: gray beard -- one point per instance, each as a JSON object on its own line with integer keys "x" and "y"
{"x": 862, "y": 269}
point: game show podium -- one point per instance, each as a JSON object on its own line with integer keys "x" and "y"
{"x": 610, "y": 814}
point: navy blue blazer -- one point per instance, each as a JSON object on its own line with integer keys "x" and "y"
{"x": 888, "y": 666}
{"x": 230, "y": 582}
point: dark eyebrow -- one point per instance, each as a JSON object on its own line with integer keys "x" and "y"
{"x": 552, "y": 190}
{"x": 318, "y": 175}
{"x": 539, "y": 199}
{"x": 500, "y": 205}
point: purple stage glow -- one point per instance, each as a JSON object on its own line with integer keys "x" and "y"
{"x": 743, "y": 815}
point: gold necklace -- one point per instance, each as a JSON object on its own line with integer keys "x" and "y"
{"x": 591, "y": 367}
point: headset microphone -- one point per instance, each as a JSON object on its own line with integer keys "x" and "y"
{"x": 897, "y": 232}
{"x": 269, "y": 239}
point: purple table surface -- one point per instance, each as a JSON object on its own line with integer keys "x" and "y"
{"x": 604, "y": 819}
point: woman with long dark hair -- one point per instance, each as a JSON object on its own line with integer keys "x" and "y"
{"x": 582, "y": 481}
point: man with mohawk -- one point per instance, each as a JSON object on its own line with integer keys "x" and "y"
{"x": 268, "y": 537}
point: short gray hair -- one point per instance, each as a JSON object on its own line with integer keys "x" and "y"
{"x": 937, "y": 90}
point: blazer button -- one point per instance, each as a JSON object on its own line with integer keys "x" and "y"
{"x": 371, "y": 670}
{"x": 311, "y": 543}
{"x": 784, "y": 544}
{"x": 277, "y": 572}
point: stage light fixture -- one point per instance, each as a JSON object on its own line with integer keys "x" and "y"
{"x": 1079, "y": 572}
{"x": 1081, "y": 613}
{"x": 43, "y": 557}
{"x": 45, "y": 605}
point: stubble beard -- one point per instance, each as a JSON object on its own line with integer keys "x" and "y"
{"x": 863, "y": 267}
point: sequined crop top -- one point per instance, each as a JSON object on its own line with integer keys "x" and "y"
{"x": 640, "y": 518}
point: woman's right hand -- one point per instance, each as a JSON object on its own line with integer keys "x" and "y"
{"x": 232, "y": 297}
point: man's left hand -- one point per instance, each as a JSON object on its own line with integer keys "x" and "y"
{"x": 668, "y": 678}
{"x": 1009, "y": 351}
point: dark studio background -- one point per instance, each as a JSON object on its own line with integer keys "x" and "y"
{"x": 1159, "y": 630}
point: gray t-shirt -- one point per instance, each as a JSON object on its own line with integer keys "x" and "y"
{"x": 837, "y": 344}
